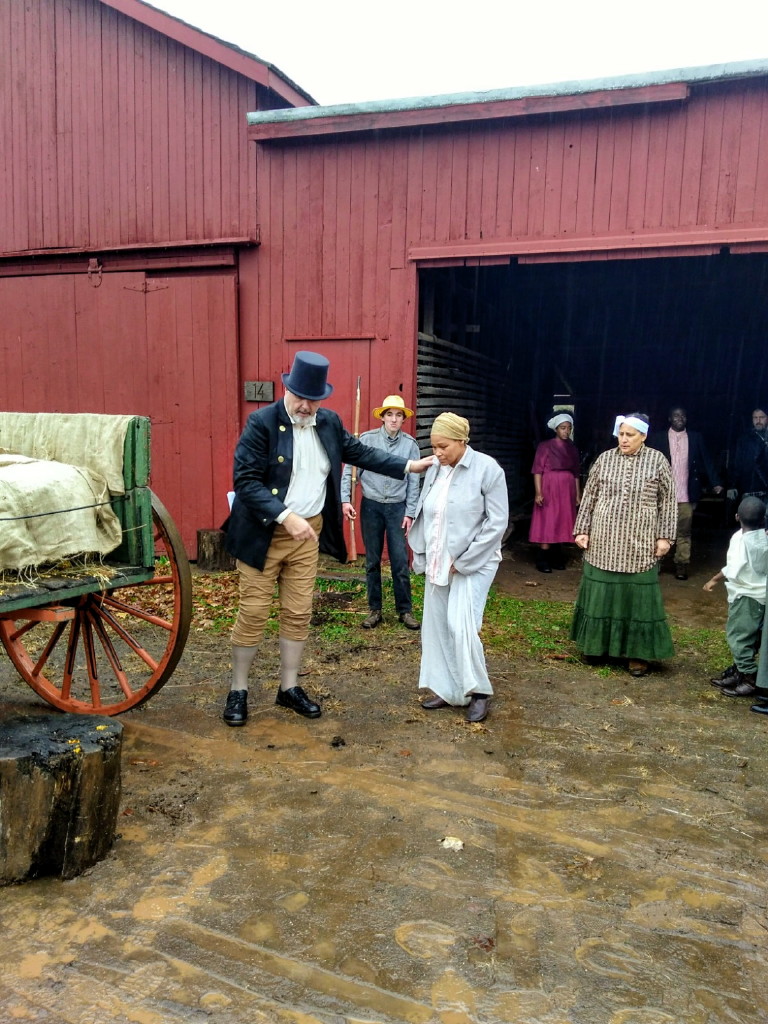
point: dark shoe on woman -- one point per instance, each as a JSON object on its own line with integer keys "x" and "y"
{"x": 743, "y": 686}
{"x": 478, "y": 707}
{"x": 638, "y": 667}
{"x": 434, "y": 702}
{"x": 558, "y": 558}
{"x": 542, "y": 564}
{"x": 726, "y": 677}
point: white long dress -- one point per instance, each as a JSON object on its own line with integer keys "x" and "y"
{"x": 452, "y": 657}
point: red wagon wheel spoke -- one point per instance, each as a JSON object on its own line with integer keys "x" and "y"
{"x": 126, "y": 637}
{"x": 121, "y": 645}
{"x": 112, "y": 655}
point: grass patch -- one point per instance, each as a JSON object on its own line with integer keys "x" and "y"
{"x": 512, "y": 626}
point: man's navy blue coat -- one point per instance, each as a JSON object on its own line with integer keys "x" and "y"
{"x": 263, "y": 464}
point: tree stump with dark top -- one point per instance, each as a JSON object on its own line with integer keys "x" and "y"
{"x": 59, "y": 793}
{"x": 211, "y": 554}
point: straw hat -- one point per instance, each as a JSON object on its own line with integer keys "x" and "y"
{"x": 392, "y": 402}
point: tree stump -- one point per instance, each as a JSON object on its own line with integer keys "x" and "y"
{"x": 59, "y": 793}
{"x": 211, "y": 554}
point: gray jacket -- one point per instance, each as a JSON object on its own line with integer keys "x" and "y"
{"x": 377, "y": 487}
{"x": 477, "y": 514}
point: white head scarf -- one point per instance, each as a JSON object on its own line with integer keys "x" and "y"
{"x": 561, "y": 417}
{"x": 632, "y": 421}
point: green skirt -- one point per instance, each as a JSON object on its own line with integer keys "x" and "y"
{"x": 621, "y": 615}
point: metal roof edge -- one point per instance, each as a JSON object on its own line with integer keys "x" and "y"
{"x": 705, "y": 73}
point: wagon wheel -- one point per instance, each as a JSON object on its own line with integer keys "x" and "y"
{"x": 122, "y": 644}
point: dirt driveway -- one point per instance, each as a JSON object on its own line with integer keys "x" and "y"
{"x": 594, "y": 852}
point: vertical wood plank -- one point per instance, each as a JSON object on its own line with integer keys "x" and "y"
{"x": 489, "y": 172}
{"x": 293, "y": 273}
{"x": 370, "y": 238}
{"x": 553, "y": 178}
{"x": 733, "y": 126}
{"x": 338, "y": 316}
{"x": 585, "y": 197}
{"x": 570, "y": 179}
{"x": 710, "y": 158}
{"x": 328, "y": 291}
{"x": 752, "y": 129}
{"x": 358, "y": 201}
{"x": 457, "y": 227}
{"x": 601, "y": 207}
{"x": 620, "y": 179}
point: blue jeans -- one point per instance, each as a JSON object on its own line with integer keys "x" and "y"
{"x": 378, "y": 520}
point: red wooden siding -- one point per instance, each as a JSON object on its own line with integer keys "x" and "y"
{"x": 115, "y": 134}
{"x": 163, "y": 346}
{"x": 344, "y": 219}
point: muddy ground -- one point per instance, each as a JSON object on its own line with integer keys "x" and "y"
{"x": 612, "y": 860}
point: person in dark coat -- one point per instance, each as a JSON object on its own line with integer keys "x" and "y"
{"x": 287, "y": 507}
{"x": 691, "y": 464}
{"x": 749, "y": 469}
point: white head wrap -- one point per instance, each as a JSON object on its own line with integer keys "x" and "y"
{"x": 561, "y": 417}
{"x": 633, "y": 422}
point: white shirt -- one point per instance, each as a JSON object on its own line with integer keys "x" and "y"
{"x": 311, "y": 466}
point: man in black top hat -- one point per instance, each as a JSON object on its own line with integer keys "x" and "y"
{"x": 287, "y": 507}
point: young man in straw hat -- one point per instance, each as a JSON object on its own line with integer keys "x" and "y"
{"x": 387, "y": 509}
{"x": 287, "y": 478}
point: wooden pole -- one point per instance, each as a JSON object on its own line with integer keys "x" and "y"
{"x": 352, "y": 541}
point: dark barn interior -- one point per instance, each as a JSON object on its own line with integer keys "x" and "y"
{"x": 504, "y": 344}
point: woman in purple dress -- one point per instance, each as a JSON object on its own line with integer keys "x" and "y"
{"x": 556, "y": 480}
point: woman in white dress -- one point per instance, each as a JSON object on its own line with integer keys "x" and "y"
{"x": 456, "y": 540}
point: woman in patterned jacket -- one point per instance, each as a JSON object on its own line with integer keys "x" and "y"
{"x": 627, "y": 521}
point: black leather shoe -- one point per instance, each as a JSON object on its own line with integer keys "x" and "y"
{"x": 433, "y": 703}
{"x": 298, "y": 701}
{"x": 760, "y": 709}
{"x": 544, "y": 567}
{"x": 743, "y": 686}
{"x": 373, "y": 619}
{"x": 478, "y": 707}
{"x": 236, "y": 708}
{"x": 681, "y": 572}
{"x": 727, "y": 676}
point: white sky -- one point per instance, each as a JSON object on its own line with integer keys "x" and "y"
{"x": 349, "y": 50}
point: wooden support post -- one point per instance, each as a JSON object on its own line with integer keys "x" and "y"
{"x": 211, "y": 554}
{"x": 59, "y": 793}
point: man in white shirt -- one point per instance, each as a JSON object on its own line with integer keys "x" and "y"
{"x": 287, "y": 508}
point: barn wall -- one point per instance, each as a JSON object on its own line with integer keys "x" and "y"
{"x": 115, "y": 134}
{"x": 344, "y": 217}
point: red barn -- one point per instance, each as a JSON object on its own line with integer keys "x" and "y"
{"x": 602, "y": 244}
{"x": 178, "y": 218}
{"x": 127, "y": 216}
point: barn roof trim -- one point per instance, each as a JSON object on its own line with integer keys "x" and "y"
{"x": 227, "y": 54}
{"x": 647, "y": 87}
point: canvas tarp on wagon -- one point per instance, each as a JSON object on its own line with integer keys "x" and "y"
{"x": 56, "y": 481}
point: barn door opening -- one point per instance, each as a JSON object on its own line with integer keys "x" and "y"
{"x": 503, "y": 344}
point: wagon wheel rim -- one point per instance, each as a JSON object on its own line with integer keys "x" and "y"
{"x": 121, "y": 646}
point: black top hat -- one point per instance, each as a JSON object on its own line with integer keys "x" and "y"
{"x": 307, "y": 378}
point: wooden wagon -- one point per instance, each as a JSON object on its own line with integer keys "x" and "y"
{"x": 100, "y": 636}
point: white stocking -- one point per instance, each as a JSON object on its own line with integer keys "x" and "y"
{"x": 290, "y": 662}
